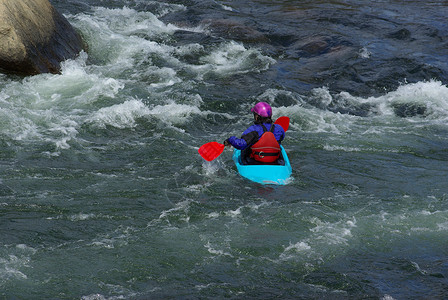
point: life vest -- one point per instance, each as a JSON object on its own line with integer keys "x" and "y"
{"x": 267, "y": 149}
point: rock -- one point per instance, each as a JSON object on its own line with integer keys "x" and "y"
{"x": 235, "y": 30}
{"x": 402, "y": 34}
{"x": 405, "y": 110}
{"x": 35, "y": 38}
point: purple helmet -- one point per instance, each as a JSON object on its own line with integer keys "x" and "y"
{"x": 263, "y": 109}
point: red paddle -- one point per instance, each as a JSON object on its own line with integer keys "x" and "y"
{"x": 212, "y": 150}
{"x": 284, "y": 122}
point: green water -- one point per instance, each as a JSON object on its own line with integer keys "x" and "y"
{"x": 104, "y": 196}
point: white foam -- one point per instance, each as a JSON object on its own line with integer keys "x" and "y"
{"x": 175, "y": 113}
{"x": 316, "y": 113}
{"x": 119, "y": 291}
{"x": 181, "y": 207}
{"x": 94, "y": 297}
{"x": 119, "y": 238}
{"x": 125, "y": 115}
{"x": 213, "y": 251}
{"x": 213, "y": 215}
{"x": 233, "y": 58}
{"x": 210, "y": 168}
{"x": 51, "y": 107}
{"x": 293, "y": 250}
{"x": 233, "y": 213}
{"x": 442, "y": 226}
{"x": 323, "y": 95}
{"x": 225, "y": 7}
{"x": 333, "y": 233}
{"x": 299, "y": 246}
{"x": 122, "y": 115}
{"x": 82, "y": 217}
{"x": 124, "y": 38}
{"x": 255, "y": 207}
{"x": 14, "y": 263}
{"x": 343, "y": 148}
{"x": 25, "y": 249}
{"x": 128, "y": 21}
{"x": 356, "y": 149}
{"x": 364, "y": 53}
{"x": 432, "y": 95}
{"x": 309, "y": 118}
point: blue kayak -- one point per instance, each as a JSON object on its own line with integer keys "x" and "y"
{"x": 264, "y": 174}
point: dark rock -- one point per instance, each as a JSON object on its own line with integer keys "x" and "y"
{"x": 405, "y": 110}
{"x": 402, "y": 34}
{"x": 235, "y": 30}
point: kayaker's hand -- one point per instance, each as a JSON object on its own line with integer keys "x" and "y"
{"x": 227, "y": 143}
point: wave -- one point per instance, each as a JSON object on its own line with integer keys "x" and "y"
{"x": 415, "y": 104}
{"x": 133, "y": 70}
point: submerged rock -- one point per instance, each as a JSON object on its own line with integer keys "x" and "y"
{"x": 233, "y": 29}
{"x": 405, "y": 110}
{"x": 34, "y": 37}
{"x": 402, "y": 34}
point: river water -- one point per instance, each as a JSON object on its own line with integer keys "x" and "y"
{"x": 104, "y": 196}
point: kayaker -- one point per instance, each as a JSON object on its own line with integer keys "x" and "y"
{"x": 260, "y": 143}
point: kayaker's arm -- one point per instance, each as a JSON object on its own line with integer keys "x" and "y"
{"x": 283, "y": 135}
{"x": 245, "y": 140}
{"x": 279, "y": 133}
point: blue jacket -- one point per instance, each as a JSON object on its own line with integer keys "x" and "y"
{"x": 252, "y": 134}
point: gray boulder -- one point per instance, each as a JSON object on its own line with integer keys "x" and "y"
{"x": 35, "y": 38}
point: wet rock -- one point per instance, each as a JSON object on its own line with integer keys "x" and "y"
{"x": 282, "y": 40}
{"x": 235, "y": 30}
{"x": 405, "y": 110}
{"x": 402, "y": 34}
{"x": 319, "y": 46}
{"x": 313, "y": 46}
{"x": 35, "y": 38}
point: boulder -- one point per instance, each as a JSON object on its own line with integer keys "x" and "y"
{"x": 35, "y": 38}
{"x": 235, "y": 30}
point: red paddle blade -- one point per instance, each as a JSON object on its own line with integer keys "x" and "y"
{"x": 211, "y": 150}
{"x": 284, "y": 122}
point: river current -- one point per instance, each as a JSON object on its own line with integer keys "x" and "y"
{"x": 103, "y": 194}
